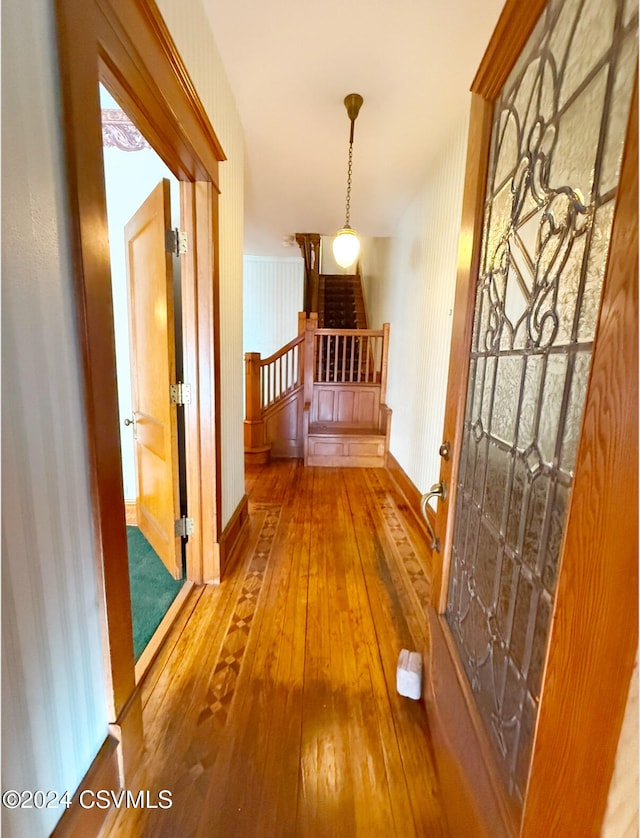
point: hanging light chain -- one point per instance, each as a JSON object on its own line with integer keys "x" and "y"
{"x": 349, "y": 168}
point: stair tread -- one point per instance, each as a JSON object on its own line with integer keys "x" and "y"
{"x": 335, "y": 429}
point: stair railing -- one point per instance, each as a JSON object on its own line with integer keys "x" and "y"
{"x": 269, "y": 380}
{"x": 357, "y": 356}
{"x": 322, "y": 356}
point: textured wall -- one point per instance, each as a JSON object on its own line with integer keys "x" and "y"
{"x": 409, "y": 281}
{"x": 273, "y": 296}
{"x": 54, "y": 716}
{"x": 190, "y": 29}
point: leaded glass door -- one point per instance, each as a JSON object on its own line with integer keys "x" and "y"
{"x": 557, "y": 139}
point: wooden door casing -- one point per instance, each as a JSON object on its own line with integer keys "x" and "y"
{"x": 128, "y": 47}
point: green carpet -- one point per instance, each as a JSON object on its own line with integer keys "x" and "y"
{"x": 152, "y": 587}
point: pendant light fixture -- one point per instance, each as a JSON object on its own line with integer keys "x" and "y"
{"x": 346, "y": 244}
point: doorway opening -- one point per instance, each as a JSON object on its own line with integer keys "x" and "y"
{"x": 148, "y": 343}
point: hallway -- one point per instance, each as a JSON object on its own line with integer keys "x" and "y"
{"x": 272, "y": 709}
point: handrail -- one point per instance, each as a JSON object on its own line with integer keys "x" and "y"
{"x": 377, "y": 333}
{"x": 282, "y": 351}
{"x": 280, "y": 373}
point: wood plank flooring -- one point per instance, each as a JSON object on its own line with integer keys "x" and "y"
{"x": 272, "y": 709}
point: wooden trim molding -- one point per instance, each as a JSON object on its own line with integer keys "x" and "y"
{"x": 409, "y": 490}
{"x": 169, "y": 112}
{"x": 234, "y": 531}
{"x": 154, "y": 645}
{"x": 131, "y": 513}
{"x": 594, "y": 629}
{"x": 126, "y": 44}
{"x": 468, "y": 265}
{"x": 512, "y": 31}
{"x": 103, "y": 773}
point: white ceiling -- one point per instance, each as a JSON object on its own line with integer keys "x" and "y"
{"x": 290, "y": 64}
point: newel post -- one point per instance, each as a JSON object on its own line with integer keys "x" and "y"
{"x": 254, "y": 431}
{"x": 384, "y": 363}
{"x": 309, "y": 351}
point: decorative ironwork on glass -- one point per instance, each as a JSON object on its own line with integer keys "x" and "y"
{"x": 556, "y": 147}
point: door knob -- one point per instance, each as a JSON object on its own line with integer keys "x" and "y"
{"x": 438, "y": 490}
{"x": 128, "y": 422}
{"x": 445, "y": 450}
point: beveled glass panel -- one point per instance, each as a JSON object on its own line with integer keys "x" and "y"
{"x": 574, "y": 161}
{"x": 498, "y": 467}
{"x": 575, "y": 407}
{"x": 516, "y": 504}
{"x": 506, "y": 398}
{"x": 487, "y": 392}
{"x": 535, "y": 515}
{"x": 594, "y": 276}
{"x": 521, "y": 617}
{"x": 614, "y": 141}
{"x": 548, "y": 216}
{"x": 594, "y": 22}
{"x": 487, "y": 558}
{"x": 569, "y": 291}
{"x": 554, "y": 536}
{"x": 528, "y": 420}
{"x": 552, "y": 399}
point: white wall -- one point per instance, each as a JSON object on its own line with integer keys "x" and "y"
{"x": 409, "y": 282}
{"x": 190, "y": 29}
{"x": 54, "y": 715}
{"x": 273, "y": 297}
{"x": 621, "y": 816}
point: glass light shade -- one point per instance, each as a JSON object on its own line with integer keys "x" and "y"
{"x": 346, "y": 247}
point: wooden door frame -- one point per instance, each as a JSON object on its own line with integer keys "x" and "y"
{"x": 126, "y": 45}
{"x": 594, "y": 627}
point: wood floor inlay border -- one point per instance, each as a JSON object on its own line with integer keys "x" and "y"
{"x": 225, "y": 674}
{"x": 401, "y": 540}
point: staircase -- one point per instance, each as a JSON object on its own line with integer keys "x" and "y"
{"x": 321, "y": 397}
{"x": 341, "y": 302}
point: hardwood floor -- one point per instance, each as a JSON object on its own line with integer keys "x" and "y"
{"x": 272, "y": 709}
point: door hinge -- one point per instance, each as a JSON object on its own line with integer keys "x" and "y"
{"x": 184, "y": 527}
{"x": 180, "y": 393}
{"x": 176, "y": 241}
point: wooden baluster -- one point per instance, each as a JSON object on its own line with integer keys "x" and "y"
{"x": 367, "y": 351}
{"x": 335, "y": 358}
{"x": 353, "y": 349}
{"x": 343, "y": 367}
